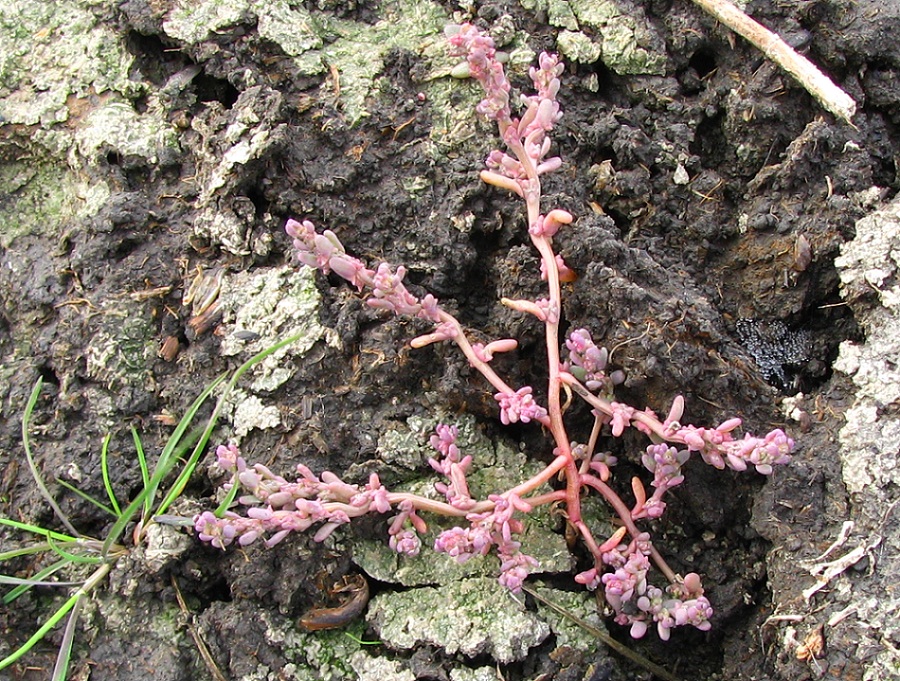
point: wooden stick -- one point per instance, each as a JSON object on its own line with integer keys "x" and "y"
{"x": 605, "y": 638}
{"x": 807, "y": 74}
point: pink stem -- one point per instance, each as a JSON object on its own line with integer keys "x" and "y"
{"x": 483, "y": 367}
{"x": 624, "y": 513}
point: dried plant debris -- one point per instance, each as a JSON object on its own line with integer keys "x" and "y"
{"x": 779, "y": 352}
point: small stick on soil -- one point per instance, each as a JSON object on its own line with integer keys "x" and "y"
{"x": 807, "y": 74}
{"x": 202, "y": 648}
{"x": 620, "y": 648}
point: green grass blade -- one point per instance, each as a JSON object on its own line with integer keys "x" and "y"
{"x": 87, "y": 497}
{"x": 186, "y": 421}
{"x": 162, "y": 468}
{"x": 39, "y": 634}
{"x": 35, "y": 473}
{"x": 61, "y": 612}
{"x": 61, "y": 668}
{"x": 126, "y": 517}
{"x": 48, "y": 534}
{"x": 27, "y": 551}
{"x": 229, "y": 498}
{"x": 179, "y": 485}
{"x": 104, "y": 468}
{"x": 201, "y": 438}
{"x": 74, "y": 557}
{"x": 29, "y": 582}
{"x": 168, "y": 456}
{"x": 357, "y": 640}
{"x": 142, "y": 458}
{"x": 26, "y": 584}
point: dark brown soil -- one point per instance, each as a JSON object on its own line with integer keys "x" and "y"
{"x": 666, "y": 271}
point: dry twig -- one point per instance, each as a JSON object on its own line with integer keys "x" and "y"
{"x": 605, "y": 638}
{"x": 199, "y": 641}
{"x": 807, "y": 74}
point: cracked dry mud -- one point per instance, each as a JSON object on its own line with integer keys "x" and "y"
{"x": 146, "y": 145}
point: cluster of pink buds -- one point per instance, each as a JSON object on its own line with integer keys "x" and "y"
{"x": 665, "y": 462}
{"x": 489, "y": 529}
{"x": 452, "y": 465}
{"x": 527, "y": 136}
{"x": 638, "y": 603}
{"x": 718, "y": 447}
{"x": 519, "y": 406}
{"x": 326, "y": 252}
{"x": 277, "y": 507}
{"x": 588, "y": 362}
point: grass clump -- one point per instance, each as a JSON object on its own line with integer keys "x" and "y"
{"x": 70, "y": 551}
